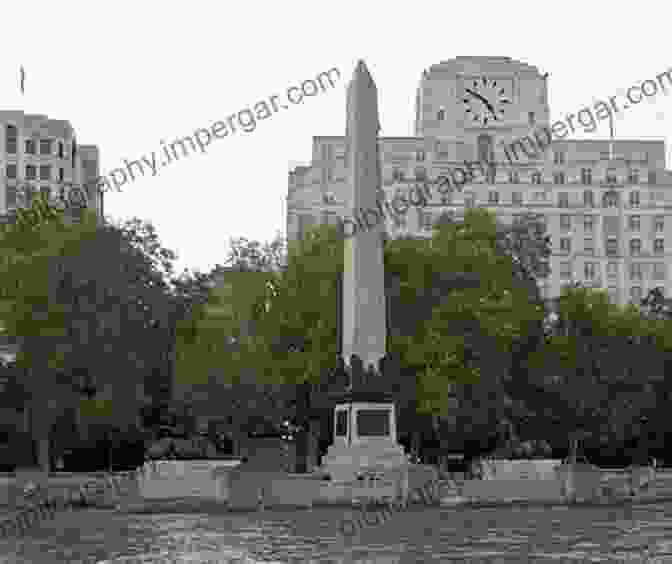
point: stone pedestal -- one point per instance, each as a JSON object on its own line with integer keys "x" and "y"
{"x": 365, "y": 437}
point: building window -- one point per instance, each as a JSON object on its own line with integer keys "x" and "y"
{"x": 565, "y": 270}
{"x": 517, "y": 198}
{"x": 30, "y": 146}
{"x": 558, "y": 177}
{"x": 469, "y": 200}
{"x": 28, "y": 195}
{"x": 45, "y": 172}
{"x": 11, "y": 139}
{"x": 11, "y": 171}
{"x": 588, "y": 199}
{"x": 45, "y": 192}
{"x": 659, "y": 271}
{"x": 485, "y": 150}
{"x": 31, "y": 172}
{"x": 420, "y": 156}
{"x": 635, "y": 247}
{"x": 563, "y": 200}
{"x": 559, "y": 157}
{"x": 633, "y": 176}
{"x": 514, "y": 177}
{"x": 611, "y": 176}
{"x": 612, "y": 247}
{"x": 11, "y": 196}
{"x": 60, "y": 149}
{"x": 45, "y": 146}
{"x": 426, "y": 220}
{"x": 659, "y": 246}
{"x": 565, "y": 222}
{"x": 659, "y": 223}
{"x": 539, "y": 196}
{"x": 517, "y": 218}
{"x": 633, "y": 222}
{"x": 634, "y": 199}
{"x": 588, "y": 246}
{"x": 586, "y": 176}
{"x": 612, "y": 269}
{"x": 530, "y": 118}
{"x": 590, "y": 271}
{"x": 420, "y": 173}
{"x": 610, "y": 199}
{"x": 493, "y": 197}
{"x": 441, "y": 114}
{"x": 61, "y": 174}
{"x": 613, "y": 294}
{"x": 565, "y": 244}
{"x": 397, "y": 174}
{"x": 491, "y": 174}
{"x": 588, "y": 223}
{"x": 636, "y": 271}
{"x": 652, "y": 177}
{"x": 636, "y": 294}
{"x": 536, "y": 177}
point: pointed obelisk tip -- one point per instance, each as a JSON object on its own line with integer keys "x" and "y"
{"x": 361, "y": 70}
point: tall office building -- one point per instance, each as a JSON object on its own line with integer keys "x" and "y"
{"x": 41, "y": 155}
{"x": 607, "y": 205}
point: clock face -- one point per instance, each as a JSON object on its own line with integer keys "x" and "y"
{"x": 486, "y": 100}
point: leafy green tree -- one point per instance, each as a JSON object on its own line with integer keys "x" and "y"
{"x": 588, "y": 373}
{"x": 439, "y": 343}
{"x": 88, "y": 302}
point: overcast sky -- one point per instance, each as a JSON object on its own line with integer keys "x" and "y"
{"x": 127, "y": 76}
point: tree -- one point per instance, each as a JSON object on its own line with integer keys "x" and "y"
{"x": 588, "y": 373}
{"x": 29, "y": 313}
{"x": 83, "y": 321}
{"x": 461, "y": 305}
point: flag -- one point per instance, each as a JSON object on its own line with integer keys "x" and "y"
{"x": 23, "y": 79}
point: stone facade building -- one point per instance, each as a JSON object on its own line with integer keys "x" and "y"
{"x": 41, "y": 155}
{"x": 606, "y": 203}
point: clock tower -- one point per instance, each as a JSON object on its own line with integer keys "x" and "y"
{"x": 467, "y": 106}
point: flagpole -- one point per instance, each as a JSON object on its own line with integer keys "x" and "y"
{"x": 611, "y": 131}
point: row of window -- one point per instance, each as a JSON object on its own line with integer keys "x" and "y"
{"x": 634, "y": 222}
{"x": 611, "y": 247}
{"x": 27, "y": 194}
{"x": 636, "y": 270}
{"x": 609, "y": 199}
{"x": 46, "y": 146}
{"x": 559, "y": 178}
{"x": 31, "y": 172}
{"x": 636, "y": 293}
{"x": 441, "y": 116}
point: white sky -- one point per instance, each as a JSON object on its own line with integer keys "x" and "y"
{"x": 129, "y": 74}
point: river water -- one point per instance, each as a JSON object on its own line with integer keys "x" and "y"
{"x": 419, "y": 534}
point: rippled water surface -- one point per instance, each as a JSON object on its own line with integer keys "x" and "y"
{"x": 417, "y": 535}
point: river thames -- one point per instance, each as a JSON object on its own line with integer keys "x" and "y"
{"x": 419, "y": 534}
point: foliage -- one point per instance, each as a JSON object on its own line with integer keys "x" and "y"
{"x": 589, "y": 371}
{"x": 295, "y": 334}
{"x": 88, "y": 300}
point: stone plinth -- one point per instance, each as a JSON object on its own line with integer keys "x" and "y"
{"x": 365, "y": 436}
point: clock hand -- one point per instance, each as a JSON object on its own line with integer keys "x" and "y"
{"x": 482, "y": 99}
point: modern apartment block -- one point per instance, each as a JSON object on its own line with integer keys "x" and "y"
{"x": 607, "y": 205}
{"x": 41, "y": 155}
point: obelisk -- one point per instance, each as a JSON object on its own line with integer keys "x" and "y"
{"x": 365, "y": 435}
{"x": 363, "y": 301}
